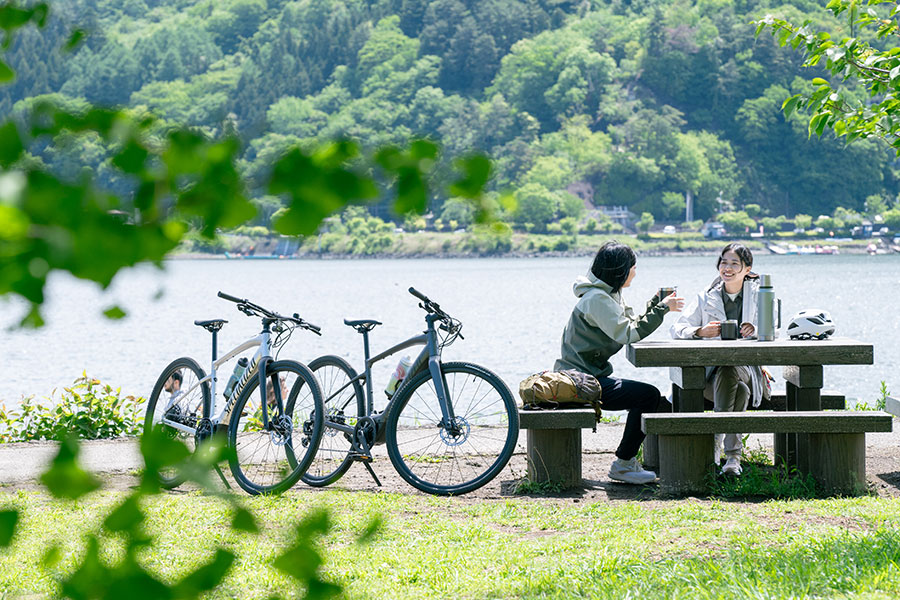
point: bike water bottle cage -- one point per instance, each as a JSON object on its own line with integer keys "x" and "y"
{"x": 212, "y": 326}
{"x": 363, "y": 325}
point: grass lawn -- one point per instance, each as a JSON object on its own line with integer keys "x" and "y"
{"x": 522, "y": 547}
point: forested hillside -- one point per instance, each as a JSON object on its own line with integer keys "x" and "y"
{"x": 641, "y": 103}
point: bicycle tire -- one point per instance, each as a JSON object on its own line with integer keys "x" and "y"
{"x": 183, "y": 409}
{"x": 270, "y": 462}
{"x": 333, "y": 458}
{"x": 437, "y": 461}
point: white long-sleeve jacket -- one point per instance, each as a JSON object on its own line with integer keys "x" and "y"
{"x": 708, "y": 306}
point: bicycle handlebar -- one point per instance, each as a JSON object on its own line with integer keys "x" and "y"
{"x": 418, "y": 294}
{"x": 230, "y": 298}
{"x": 251, "y": 309}
{"x": 450, "y": 324}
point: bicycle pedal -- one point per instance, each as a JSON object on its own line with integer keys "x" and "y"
{"x": 362, "y": 457}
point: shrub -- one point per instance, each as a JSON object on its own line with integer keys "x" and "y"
{"x": 89, "y": 409}
{"x": 561, "y": 245}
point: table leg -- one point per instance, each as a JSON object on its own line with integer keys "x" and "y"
{"x": 803, "y": 386}
{"x": 687, "y": 387}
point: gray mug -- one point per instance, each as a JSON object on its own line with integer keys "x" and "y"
{"x": 729, "y": 330}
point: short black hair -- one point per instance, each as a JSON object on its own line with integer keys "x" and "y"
{"x": 176, "y": 375}
{"x": 742, "y": 251}
{"x": 612, "y": 264}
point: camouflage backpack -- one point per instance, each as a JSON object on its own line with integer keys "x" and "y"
{"x": 561, "y": 389}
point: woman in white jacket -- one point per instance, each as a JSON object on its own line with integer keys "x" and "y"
{"x": 731, "y": 389}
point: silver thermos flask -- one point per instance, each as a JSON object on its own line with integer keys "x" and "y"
{"x": 766, "y": 320}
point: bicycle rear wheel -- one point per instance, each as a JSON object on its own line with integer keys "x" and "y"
{"x": 183, "y": 404}
{"x": 344, "y": 404}
{"x": 461, "y": 456}
{"x": 271, "y": 460}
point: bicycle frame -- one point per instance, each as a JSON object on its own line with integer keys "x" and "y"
{"x": 256, "y": 366}
{"x": 430, "y": 354}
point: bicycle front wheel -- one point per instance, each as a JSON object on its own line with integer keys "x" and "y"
{"x": 462, "y": 455}
{"x": 270, "y": 458}
{"x": 344, "y": 404}
{"x": 177, "y": 404}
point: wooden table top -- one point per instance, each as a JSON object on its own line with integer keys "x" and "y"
{"x": 712, "y": 353}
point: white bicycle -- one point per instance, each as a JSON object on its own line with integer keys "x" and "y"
{"x": 272, "y": 412}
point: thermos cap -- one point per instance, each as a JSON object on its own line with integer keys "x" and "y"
{"x": 765, "y": 280}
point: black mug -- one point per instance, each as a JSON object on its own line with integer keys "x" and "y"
{"x": 729, "y": 330}
{"x": 665, "y": 292}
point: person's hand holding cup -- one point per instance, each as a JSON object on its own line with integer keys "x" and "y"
{"x": 729, "y": 329}
{"x": 668, "y": 297}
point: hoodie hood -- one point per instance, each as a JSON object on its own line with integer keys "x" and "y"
{"x": 588, "y": 282}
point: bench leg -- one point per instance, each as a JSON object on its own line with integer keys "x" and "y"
{"x": 554, "y": 455}
{"x": 684, "y": 461}
{"x": 837, "y": 461}
{"x": 651, "y": 452}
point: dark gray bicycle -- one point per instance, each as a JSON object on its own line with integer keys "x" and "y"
{"x": 449, "y": 428}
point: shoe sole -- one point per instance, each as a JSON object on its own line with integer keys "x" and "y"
{"x": 621, "y": 479}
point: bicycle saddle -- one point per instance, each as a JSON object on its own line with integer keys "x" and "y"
{"x": 212, "y": 325}
{"x": 363, "y": 324}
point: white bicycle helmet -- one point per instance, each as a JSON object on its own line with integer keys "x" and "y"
{"x": 811, "y": 323}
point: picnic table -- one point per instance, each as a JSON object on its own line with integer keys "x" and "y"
{"x": 802, "y": 362}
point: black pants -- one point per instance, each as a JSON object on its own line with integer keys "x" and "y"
{"x": 637, "y": 398}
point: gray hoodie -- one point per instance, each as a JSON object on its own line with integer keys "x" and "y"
{"x": 600, "y": 324}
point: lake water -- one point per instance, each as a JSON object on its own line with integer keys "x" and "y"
{"x": 513, "y": 311}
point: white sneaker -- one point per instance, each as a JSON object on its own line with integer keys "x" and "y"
{"x": 630, "y": 471}
{"x": 732, "y": 466}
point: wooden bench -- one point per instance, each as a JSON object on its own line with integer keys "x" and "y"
{"x": 836, "y": 444}
{"x": 553, "y": 446}
{"x": 892, "y": 406}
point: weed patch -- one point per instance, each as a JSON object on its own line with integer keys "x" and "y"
{"x": 765, "y": 481}
{"x": 540, "y": 488}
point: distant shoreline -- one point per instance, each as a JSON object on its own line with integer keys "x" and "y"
{"x": 855, "y": 249}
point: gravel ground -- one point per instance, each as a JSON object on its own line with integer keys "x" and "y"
{"x": 118, "y": 462}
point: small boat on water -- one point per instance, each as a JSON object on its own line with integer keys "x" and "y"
{"x": 795, "y": 249}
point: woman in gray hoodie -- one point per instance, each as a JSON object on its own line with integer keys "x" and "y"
{"x": 600, "y": 324}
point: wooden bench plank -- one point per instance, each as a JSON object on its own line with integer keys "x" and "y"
{"x": 766, "y": 422}
{"x": 892, "y": 406}
{"x": 560, "y": 418}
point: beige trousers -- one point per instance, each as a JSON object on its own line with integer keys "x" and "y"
{"x": 729, "y": 391}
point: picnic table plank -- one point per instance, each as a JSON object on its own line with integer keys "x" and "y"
{"x": 712, "y": 353}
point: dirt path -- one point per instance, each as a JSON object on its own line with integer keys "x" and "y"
{"x": 118, "y": 463}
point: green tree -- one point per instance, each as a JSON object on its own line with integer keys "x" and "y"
{"x": 803, "y": 221}
{"x": 875, "y": 205}
{"x": 736, "y": 222}
{"x": 673, "y": 205}
{"x": 457, "y": 209}
{"x": 645, "y": 223}
{"x": 535, "y": 204}
{"x": 753, "y": 210}
{"x": 892, "y": 219}
{"x": 854, "y": 61}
